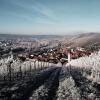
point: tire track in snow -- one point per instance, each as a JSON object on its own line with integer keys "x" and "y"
{"x": 87, "y": 88}
{"x": 48, "y": 90}
{"x": 67, "y": 89}
{"x": 23, "y": 89}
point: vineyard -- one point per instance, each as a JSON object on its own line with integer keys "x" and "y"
{"x": 32, "y": 80}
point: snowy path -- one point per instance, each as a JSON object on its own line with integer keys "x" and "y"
{"x": 48, "y": 90}
{"x": 23, "y": 89}
{"x": 54, "y": 83}
{"x": 67, "y": 89}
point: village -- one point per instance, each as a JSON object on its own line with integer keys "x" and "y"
{"x": 45, "y": 50}
{"x": 57, "y": 54}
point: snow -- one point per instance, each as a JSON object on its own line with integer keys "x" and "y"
{"x": 25, "y": 66}
{"x": 77, "y": 80}
{"x": 67, "y": 89}
{"x": 91, "y": 63}
{"x": 78, "y": 77}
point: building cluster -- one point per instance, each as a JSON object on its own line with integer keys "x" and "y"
{"x": 59, "y": 54}
{"x": 42, "y": 50}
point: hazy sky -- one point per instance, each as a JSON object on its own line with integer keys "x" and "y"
{"x": 49, "y": 16}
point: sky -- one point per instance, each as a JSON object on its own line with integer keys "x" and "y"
{"x": 49, "y": 16}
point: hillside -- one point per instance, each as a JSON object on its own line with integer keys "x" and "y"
{"x": 83, "y": 39}
{"x": 86, "y": 39}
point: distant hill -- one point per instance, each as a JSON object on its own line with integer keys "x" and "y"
{"x": 85, "y": 39}
{"x": 15, "y": 36}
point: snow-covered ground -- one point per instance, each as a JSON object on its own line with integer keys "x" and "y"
{"x": 78, "y": 80}
{"x": 25, "y": 66}
{"x": 91, "y": 63}
{"x": 67, "y": 89}
{"x": 48, "y": 89}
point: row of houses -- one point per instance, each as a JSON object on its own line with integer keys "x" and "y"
{"x": 53, "y": 55}
{"x": 59, "y": 54}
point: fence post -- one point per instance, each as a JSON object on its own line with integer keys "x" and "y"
{"x": 35, "y": 65}
{"x": 25, "y": 71}
{"x": 41, "y": 65}
{"x": 48, "y": 64}
{"x": 20, "y": 70}
{"x": 38, "y": 65}
{"x": 30, "y": 69}
{"x": 9, "y": 66}
{"x": 4, "y": 78}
